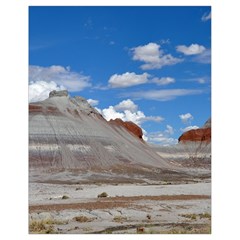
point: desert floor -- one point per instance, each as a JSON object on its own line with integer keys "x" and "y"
{"x": 143, "y": 207}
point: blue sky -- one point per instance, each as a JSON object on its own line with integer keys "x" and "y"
{"x": 150, "y": 65}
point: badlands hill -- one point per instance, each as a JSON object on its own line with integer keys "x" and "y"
{"x": 67, "y": 133}
{"x": 202, "y": 134}
{"x": 193, "y": 149}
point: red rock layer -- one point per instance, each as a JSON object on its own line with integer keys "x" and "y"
{"x": 196, "y": 135}
{"x": 130, "y": 126}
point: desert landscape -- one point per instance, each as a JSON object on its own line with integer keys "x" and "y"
{"x": 88, "y": 175}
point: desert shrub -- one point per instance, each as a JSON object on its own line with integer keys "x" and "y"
{"x": 104, "y": 194}
{"x": 205, "y": 215}
{"x": 119, "y": 219}
{"x": 65, "y": 197}
{"x": 192, "y": 216}
{"x": 40, "y": 227}
{"x": 82, "y": 219}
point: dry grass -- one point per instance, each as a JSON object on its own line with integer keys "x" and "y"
{"x": 194, "y": 216}
{"x": 44, "y": 226}
{"x": 191, "y": 216}
{"x": 119, "y": 219}
{"x": 205, "y": 215}
{"x": 189, "y": 230}
{"x": 40, "y": 227}
{"x": 83, "y": 219}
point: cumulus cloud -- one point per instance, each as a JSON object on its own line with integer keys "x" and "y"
{"x": 162, "y": 95}
{"x": 127, "y": 110}
{"x": 93, "y": 102}
{"x": 126, "y": 105}
{"x": 189, "y": 128}
{"x": 169, "y": 130}
{"x": 153, "y": 57}
{"x": 127, "y": 79}
{"x": 39, "y": 90}
{"x": 206, "y": 16}
{"x": 163, "y": 137}
{"x": 163, "y": 80}
{"x": 204, "y": 57}
{"x": 62, "y": 76}
{"x": 186, "y": 118}
{"x": 42, "y": 80}
{"x": 193, "y": 49}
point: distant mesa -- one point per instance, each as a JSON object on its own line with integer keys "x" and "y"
{"x": 198, "y": 135}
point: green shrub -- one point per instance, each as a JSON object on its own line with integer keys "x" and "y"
{"x": 104, "y": 194}
{"x": 65, "y": 197}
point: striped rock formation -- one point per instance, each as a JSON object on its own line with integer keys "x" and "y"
{"x": 67, "y": 133}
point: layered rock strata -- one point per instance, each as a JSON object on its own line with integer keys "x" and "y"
{"x": 67, "y": 133}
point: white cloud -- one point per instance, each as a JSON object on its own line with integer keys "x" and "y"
{"x": 62, "y": 76}
{"x": 204, "y": 57}
{"x": 152, "y": 118}
{"x": 189, "y": 128}
{"x": 200, "y": 80}
{"x": 147, "y": 53}
{"x": 163, "y": 137}
{"x": 93, "y": 102}
{"x": 127, "y": 110}
{"x": 206, "y": 16}
{"x": 186, "y": 117}
{"x": 111, "y": 113}
{"x": 145, "y": 138}
{"x": 126, "y": 105}
{"x": 169, "y": 130}
{"x": 153, "y": 56}
{"x": 162, "y": 95}
{"x": 163, "y": 80}
{"x": 39, "y": 90}
{"x": 193, "y": 49}
{"x": 127, "y": 79}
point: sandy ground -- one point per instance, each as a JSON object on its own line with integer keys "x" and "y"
{"x": 129, "y": 208}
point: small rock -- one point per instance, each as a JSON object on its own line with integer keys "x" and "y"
{"x": 140, "y": 229}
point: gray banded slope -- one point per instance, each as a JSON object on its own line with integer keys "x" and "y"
{"x": 67, "y": 133}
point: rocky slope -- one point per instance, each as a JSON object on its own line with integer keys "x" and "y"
{"x": 67, "y": 133}
{"x": 193, "y": 149}
{"x": 198, "y": 135}
{"x": 130, "y": 126}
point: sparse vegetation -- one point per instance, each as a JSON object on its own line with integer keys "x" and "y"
{"x": 205, "y": 215}
{"x": 65, "y": 197}
{"x": 194, "y": 216}
{"x": 41, "y": 226}
{"x": 188, "y": 230}
{"x": 119, "y": 219}
{"x": 44, "y": 226}
{"x": 191, "y": 216}
{"x": 83, "y": 219}
{"x": 102, "y": 195}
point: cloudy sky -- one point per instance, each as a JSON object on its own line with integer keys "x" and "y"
{"x": 149, "y": 65}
